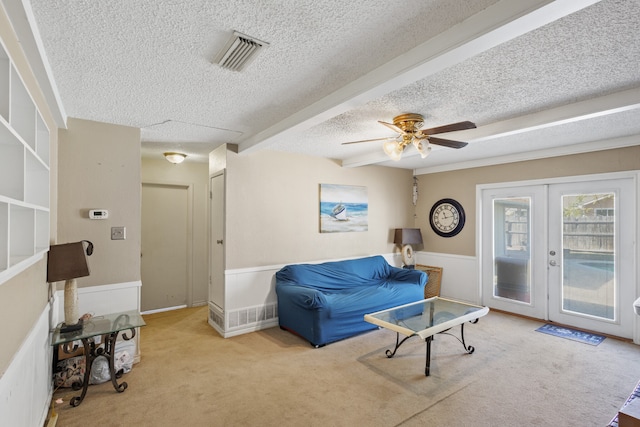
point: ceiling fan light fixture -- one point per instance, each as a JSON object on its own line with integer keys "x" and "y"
{"x": 423, "y": 149}
{"x": 409, "y": 128}
{"x": 393, "y": 149}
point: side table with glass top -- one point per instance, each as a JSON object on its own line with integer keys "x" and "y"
{"x": 108, "y": 327}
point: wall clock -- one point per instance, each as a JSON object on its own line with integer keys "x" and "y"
{"x": 447, "y": 217}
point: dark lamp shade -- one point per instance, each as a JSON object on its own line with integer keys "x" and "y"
{"x": 66, "y": 261}
{"x": 407, "y": 236}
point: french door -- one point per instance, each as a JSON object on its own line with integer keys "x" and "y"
{"x": 563, "y": 252}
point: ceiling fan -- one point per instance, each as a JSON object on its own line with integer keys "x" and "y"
{"x": 408, "y": 126}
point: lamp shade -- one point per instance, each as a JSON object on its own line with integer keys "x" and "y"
{"x": 407, "y": 236}
{"x": 66, "y": 261}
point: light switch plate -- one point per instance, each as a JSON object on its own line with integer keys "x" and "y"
{"x": 118, "y": 233}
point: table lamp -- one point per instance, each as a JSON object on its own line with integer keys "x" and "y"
{"x": 405, "y": 237}
{"x": 68, "y": 262}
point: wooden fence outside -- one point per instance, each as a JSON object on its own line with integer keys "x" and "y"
{"x": 589, "y": 234}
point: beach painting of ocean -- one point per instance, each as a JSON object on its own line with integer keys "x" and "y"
{"x": 343, "y": 208}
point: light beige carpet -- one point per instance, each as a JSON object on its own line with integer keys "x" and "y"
{"x": 190, "y": 376}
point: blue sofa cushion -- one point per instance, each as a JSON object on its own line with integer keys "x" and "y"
{"x": 366, "y": 299}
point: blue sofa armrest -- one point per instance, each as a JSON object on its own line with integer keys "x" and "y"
{"x": 301, "y": 296}
{"x": 408, "y": 276}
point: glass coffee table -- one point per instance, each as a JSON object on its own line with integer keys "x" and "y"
{"x": 425, "y": 319}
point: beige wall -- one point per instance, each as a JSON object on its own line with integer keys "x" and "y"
{"x": 24, "y": 297}
{"x": 272, "y": 212}
{"x": 461, "y": 186}
{"x": 99, "y": 168}
{"x": 197, "y": 175}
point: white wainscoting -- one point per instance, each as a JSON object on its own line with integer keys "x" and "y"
{"x": 251, "y": 301}
{"x": 104, "y": 299}
{"x": 26, "y": 387}
{"x": 460, "y": 277}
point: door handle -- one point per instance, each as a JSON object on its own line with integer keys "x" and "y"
{"x": 552, "y": 263}
{"x": 219, "y": 242}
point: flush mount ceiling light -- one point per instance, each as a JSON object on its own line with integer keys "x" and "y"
{"x": 239, "y": 51}
{"x": 175, "y": 158}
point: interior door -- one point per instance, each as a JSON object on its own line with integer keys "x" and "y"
{"x": 591, "y": 255}
{"x": 164, "y": 250}
{"x": 216, "y": 241}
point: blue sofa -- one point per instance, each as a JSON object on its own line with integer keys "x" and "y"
{"x": 327, "y": 302}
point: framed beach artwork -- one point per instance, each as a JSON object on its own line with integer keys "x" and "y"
{"x": 343, "y": 208}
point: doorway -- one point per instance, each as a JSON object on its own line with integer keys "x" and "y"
{"x": 165, "y": 247}
{"x": 563, "y": 251}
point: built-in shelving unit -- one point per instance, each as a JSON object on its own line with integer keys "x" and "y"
{"x": 24, "y": 174}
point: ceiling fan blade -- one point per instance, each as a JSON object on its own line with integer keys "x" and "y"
{"x": 368, "y": 140}
{"x": 447, "y": 142}
{"x": 392, "y": 127}
{"x": 449, "y": 128}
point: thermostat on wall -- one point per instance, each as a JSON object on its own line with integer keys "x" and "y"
{"x": 98, "y": 214}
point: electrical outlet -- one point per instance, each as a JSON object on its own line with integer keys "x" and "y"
{"x": 118, "y": 233}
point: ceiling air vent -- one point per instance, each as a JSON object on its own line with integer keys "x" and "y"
{"x": 239, "y": 51}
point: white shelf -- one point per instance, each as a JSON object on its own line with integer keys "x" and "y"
{"x": 11, "y": 165}
{"x": 36, "y": 181}
{"x": 24, "y": 175}
{"x": 4, "y": 236}
{"x": 22, "y": 115}
{"x": 42, "y": 140}
{"x": 5, "y": 67}
{"x": 21, "y": 234}
{"x": 42, "y": 230}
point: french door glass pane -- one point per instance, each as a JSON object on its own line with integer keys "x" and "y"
{"x": 588, "y": 262}
{"x": 511, "y": 248}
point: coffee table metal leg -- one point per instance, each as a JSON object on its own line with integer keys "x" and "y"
{"x": 427, "y": 366}
{"x": 390, "y": 353}
{"x": 470, "y": 349}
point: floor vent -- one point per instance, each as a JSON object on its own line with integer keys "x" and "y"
{"x": 252, "y": 315}
{"x": 239, "y": 51}
{"x": 216, "y": 318}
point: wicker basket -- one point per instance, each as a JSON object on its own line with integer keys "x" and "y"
{"x": 432, "y": 288}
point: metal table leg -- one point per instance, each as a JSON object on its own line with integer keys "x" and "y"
{"x": 91, "y": 352}
{"x": 427, "y": 369}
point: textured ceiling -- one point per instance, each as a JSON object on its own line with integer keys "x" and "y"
{"x": 533, "y": 75}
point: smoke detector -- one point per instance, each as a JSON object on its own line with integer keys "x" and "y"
{"x": 239, "y": 51}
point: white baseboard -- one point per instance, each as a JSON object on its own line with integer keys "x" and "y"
{"x": 162, "y": 310}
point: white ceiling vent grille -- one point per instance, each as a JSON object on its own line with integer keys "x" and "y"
{"x": 239, "y": 51}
